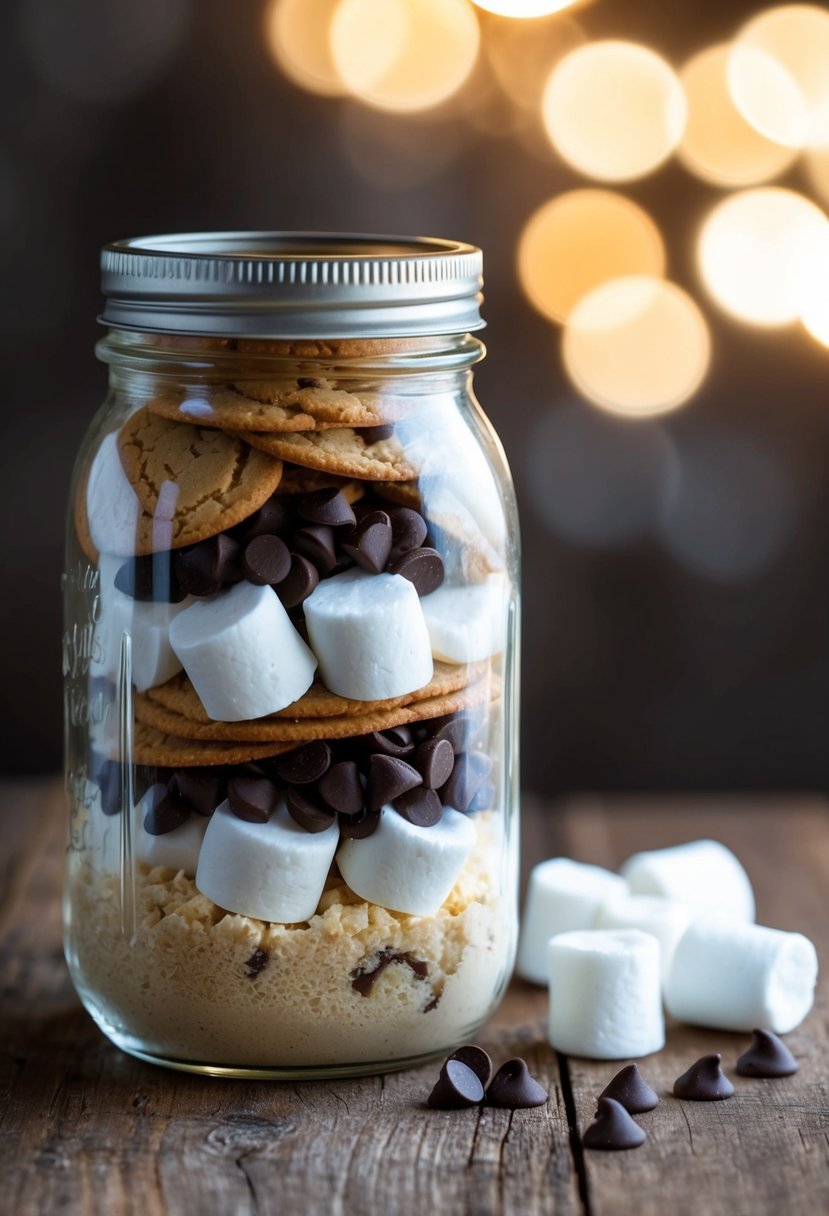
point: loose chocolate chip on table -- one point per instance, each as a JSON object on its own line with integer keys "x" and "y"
{"x": 256, "y": 963}
{"x": 408, "y": 530}
{"x": 471, "y": 770}
{"x": 342, "y": 788}
{"x": 306, "y": 764}
{"x": 420, "y": 806}
{"x": 266, "y": 559}
{"x": 166, "y": 815}
{"x": 423, "y": 567}
{"x": 326, "y": 507}
{"x": 629, "y": 1088}
{"x": 271, "y": 518}
{"x": 363, "y": 978}
{"x": 457, "y": 1086}
{"x": 513, "y": 1086}
{"x": 306, "y": 813}
{"x": 252, "y": 798}
{"x": 370, "y": 542}
{"x": 375, "y": 434}
{"x": 299, "y": 583}
{"x": 394, "y": 742}
{"x": 204, "y": 568}
{"x": 316, "y": 542}
{"x": 358, "y": 827}
{"x": 435, "y": 759}
{"x": 768, "y": 1056}
{"x": 476, "y": 1058}
{"x": 388, "y": 778}
{"x": 704, "y": 1081}
{"x": 613, "y": 1128}
{"x": 201, "y": 788}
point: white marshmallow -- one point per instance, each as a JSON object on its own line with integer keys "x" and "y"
{"x": 467, "y": 624}
{"x": 176, "y": 850}
{"x": 369, "y": 635}
{"x": 112, "y": 506}
{"x": 734, "y": 976}
{"x": 153, "y": 659}
{"x": 666, "y": 919}
{"x": 605, "y": 994}
{"x": 407, "y": 868}
{"x": 562, "y": 895}
{"x": 242, "y": 654}
{"x": 703, "y": 874}
{"x": 273, "y": 871}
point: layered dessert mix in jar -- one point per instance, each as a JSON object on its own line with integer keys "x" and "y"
{"x": 291, "y": 660}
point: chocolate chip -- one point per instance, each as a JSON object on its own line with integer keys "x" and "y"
{"x": 476, "y": 1058}
{"x": 201, "y": 788}
{"x": 423, "y": 567}
{"x": 301, "y": 580}
{"x": 256, "y": 963}
{"x": 435, "y": 760}
{"x": 252, "y": 798}
{"x": 271, "y": 518}
{"x": 364, "y": 977}
{"x": 420, "y": 806}
{"x": 613, "y": 1128}
{"x": 326, "y": 507}
{"x": 342, "y": 788}
{"x": 394, "y": 742}
{"x": 370, "y": 542}
{"x": 629, "y": 1088}
{"x": 266, "y": 559}
{"x": 306, "y": 813}
{"x": 704, "y": 1081}
{"x": 408, "y": 530}
{"x": 481, "y": 800}
{"x": 108, "y": 777}
{"x": 376, "y": 434}
{"x": 306, "y": 764}
{"x": 203, "y": 569}
{"x": 167, "y": 814}
{"x": 513, "y": 1086}
{"x": 358, "y": 827}
{"x": 316, "y": 542}
{"x": 456, "y": 1087}
{"x": 454, "y": 728}
{"x": 768, "y": 1056}
{"x": 309, "y": 382}
{"x": 388, "y": 778}
{"x": 471, "y": 770}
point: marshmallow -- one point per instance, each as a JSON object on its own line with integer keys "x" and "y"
{"x": 153, "y": 659}
{"x": 112, "y": 506}
{"x": 176, "y": 850}
{"x": 273, "y": 871}
{"x": 407, "y": 868}
{"x": 242, "y": 654}
{"x": 467, "y": 624}
{"x": 666, "y": 919}
{"x": 703, "y": 874}
{"x": 605, "y": 994}
{"x": 562, "y": 895}
{"x": 369, "y": 635}
{"x": 735, "y": 976}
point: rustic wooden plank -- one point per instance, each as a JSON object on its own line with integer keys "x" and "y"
{"x": 766, "y": 1150}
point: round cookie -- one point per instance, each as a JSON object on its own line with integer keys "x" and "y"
{"x": 156, "y": 747}
{"x": 297, "y": 480}
{"x": 401, "y": 493}
{"x": 341, "y": 451}
{"x": 336, "y": 348}
{"x": 226, "y": 408}
{"x": 328, "y": 406}
{"x": 196, "y": 480}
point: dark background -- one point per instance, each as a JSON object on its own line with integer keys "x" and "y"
{"x": 644, "y": 667}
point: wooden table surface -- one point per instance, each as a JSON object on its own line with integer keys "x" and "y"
{"x": 86, "y": 1129}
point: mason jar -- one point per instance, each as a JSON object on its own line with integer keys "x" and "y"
{"x": 291, "y": 597}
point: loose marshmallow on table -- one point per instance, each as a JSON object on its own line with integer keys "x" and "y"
{"x": 369, "y": 635}
{"x": 242, "y": 654}
{"x": 273, "y": 871}
{"x": 605, "y": 994}
{"x": 467, "y": 624}
{"x": 407, "y": 868}
{"x": 562, "y": 895}
{"x": 702, "y": 874}
{"x": 666, "y": 919}
{"x": 112, "y": 506}
{"x": 176, "y": 850}
{"x": 153, "y": 659}
{"x": 735, "y": 976}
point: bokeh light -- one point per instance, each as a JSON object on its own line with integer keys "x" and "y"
{"x": 614, "y": 110}
{"x": 637, "y": 346}
{"x": 404, "y": 54}
{"x": 523, "y": 8}
{"x": 816, "y": 163}
{"x": 579, "y": 240}
{"x": 719, "y": 144}
{"x": 296, "y": 33}
{"x": 813, "y": 291}
{"x": 779, "y": 74}
{"x": 752, "y": 251}
{"x": 595, "y": 480}
{"x": 523, "y": 55}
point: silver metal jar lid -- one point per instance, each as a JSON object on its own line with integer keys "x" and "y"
{"x": 292, "y": 285}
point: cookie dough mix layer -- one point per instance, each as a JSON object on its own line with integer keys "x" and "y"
{"x": 356, "y": 984}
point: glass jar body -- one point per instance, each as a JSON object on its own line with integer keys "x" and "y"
{"x": 291, "y": 661}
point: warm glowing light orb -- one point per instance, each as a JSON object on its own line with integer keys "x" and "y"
{"x": 404, "y": 54}
{"x": 752, "y": 250}
{"x": 523, "y": 55}
{"x": 813, "y": 292}
{"x": 523, "y": 8}
{"x": 296, "y": 34}
{"x": 719, "y": 144}
{"x": 579, "y": 240}
{"x": 779, "y": 74}
{"x": 637, "y": 346}
{"x": 614, "y": 110}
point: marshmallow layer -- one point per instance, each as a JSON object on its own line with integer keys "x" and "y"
{"x": 562, "y": 895}
{"x": 242, "y": 654}
{"x": 407, "y": 868}
{"x": 273, "y": 871}
{"x": 605, "y": 994}
{"x": 467, "y": 624}
{"x": 176, "y": 850}
{"x": 369, "y": 635}
{"x": 703, "y": 874}
{"x": 666, "y": 919}
{"x": 734, "y": 976}
{"x": 153, "y": 659}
